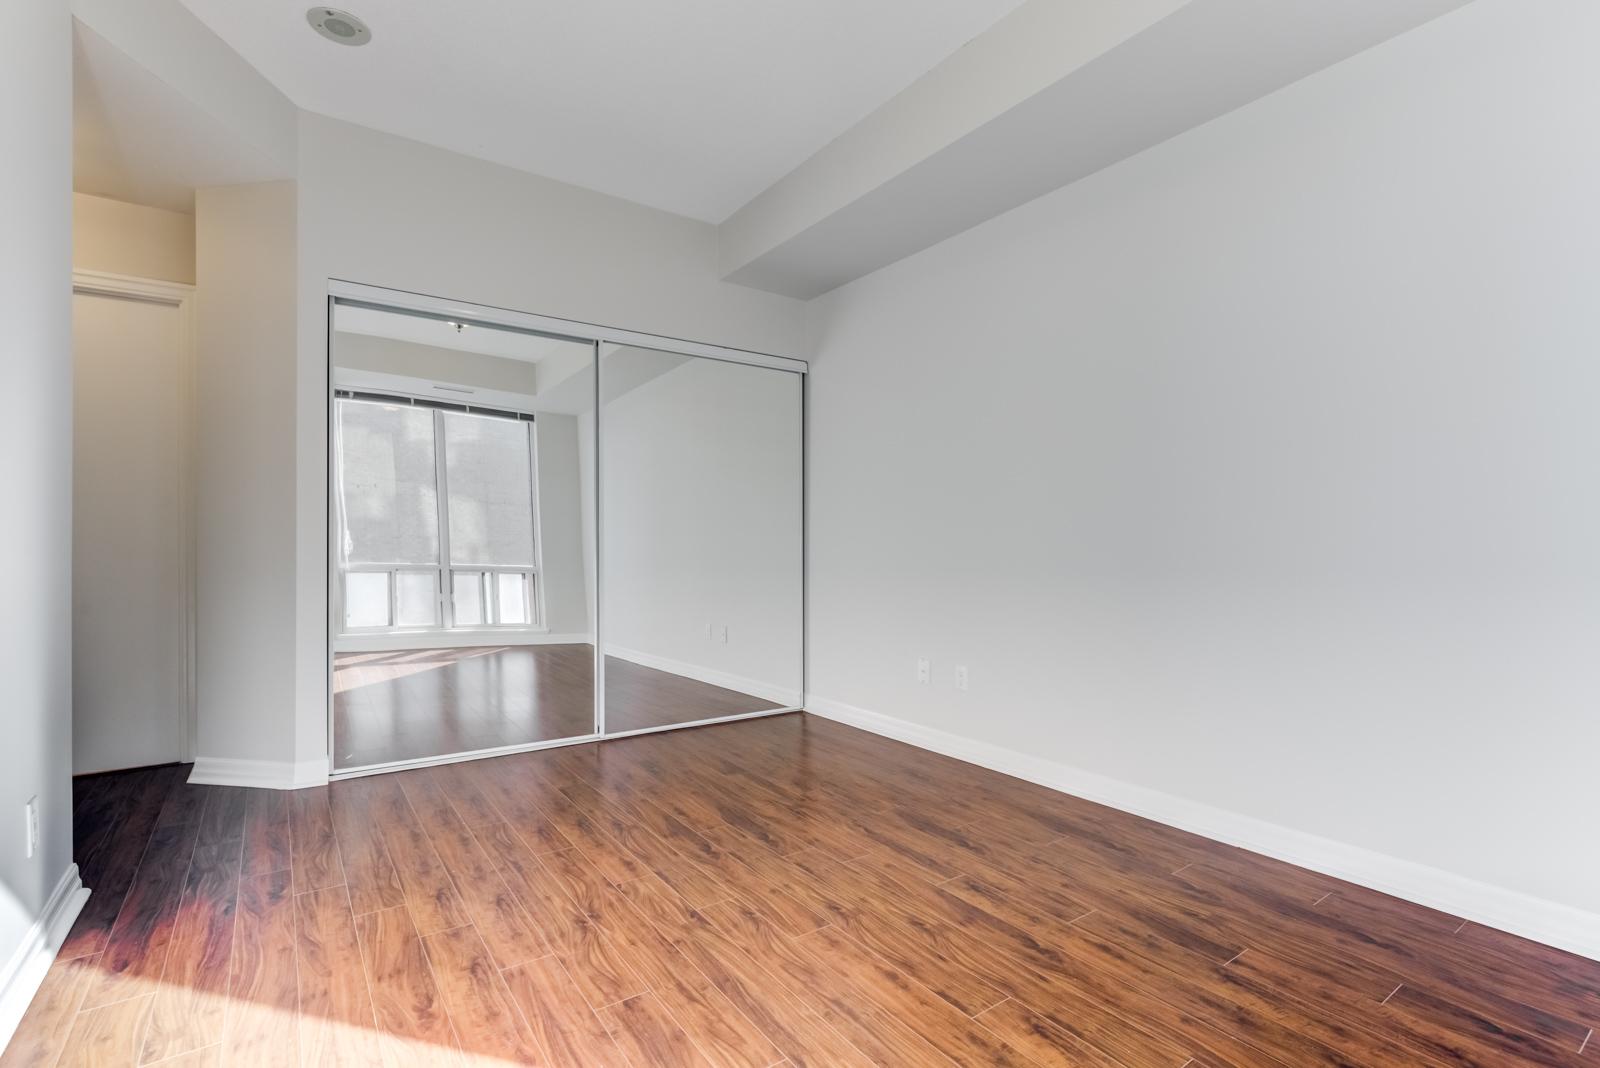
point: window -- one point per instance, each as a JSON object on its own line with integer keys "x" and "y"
{"x": 436, "y": 517}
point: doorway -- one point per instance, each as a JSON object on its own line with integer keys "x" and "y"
{"x": 132, "y": 636}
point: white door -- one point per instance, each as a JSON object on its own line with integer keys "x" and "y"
{"x": 129, "y": 630}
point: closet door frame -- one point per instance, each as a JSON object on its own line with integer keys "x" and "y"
{"x": 178, "y": 295}
{"x": 394, "y": 300}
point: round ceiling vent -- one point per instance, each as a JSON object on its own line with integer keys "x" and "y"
{"x": 340, "y": 26}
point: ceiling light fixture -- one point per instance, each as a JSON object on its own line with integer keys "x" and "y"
{"x": 339, "y": 26}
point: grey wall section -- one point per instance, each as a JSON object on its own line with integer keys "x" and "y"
{"x": 1261, "y": 468}
{"x": 247, "y": 608}
{"x": 700, "y": 477}
{"x": 36, "y": 454}
{"x": 561, "y": 548}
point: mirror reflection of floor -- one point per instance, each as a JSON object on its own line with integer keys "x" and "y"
{"x": 416, "y": 703}
{"x": 638, "y": 697}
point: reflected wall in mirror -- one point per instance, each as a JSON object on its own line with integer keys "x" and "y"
{"x": 701, "y": 526}
{"x": 463, "y": 531}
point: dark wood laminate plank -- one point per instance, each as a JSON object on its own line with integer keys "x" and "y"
{"x": 486, "y": 1018}
{"x": 499, "y": 781}
{"x": 893, "y": 931}
{"x": 414, "y": 1027}
{"x": 108, "y": 869}
{"x": 1454, "y": 1034}
{"x": 188, "y": 1009}
{"x": 878, "y": 1035}
{"x": 222, "y": 817}
{"x": 43, "y": 1029}
{"x": 698, "y": 886}
{"x": 715, "y": 1024}
{"x": 136, "y": 952}
{"x": 209, "y": 1057}
{"x": 497, "y": 913}
{"x": 260, "y": 1026}
{"x": 471, "y": 802}
{"x": 428, "y": 889}
{"x": 581, "y": 946}
{"x": 266, "y": 833}
{"x": 1019, "y": 1026}
{"x": 316, "y": 862}
{"x": 368, "y": 872}
{"x": 805, "y": 1040}
{"x": 776, "y": 904}
{"x": 566, "y": 1027}
{"x": 338, "y": 1028}
{"x": 648, "y": 1035}
{"x": 1567, "y": 994}
{"x": 184, "y": 803}
{"x": 108, "y": 1036}
{"x": 947, "y": 1030}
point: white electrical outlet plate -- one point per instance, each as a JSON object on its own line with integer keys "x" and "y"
{"x": 31, "y": 812}
{"x": 924, "y": 672}
{"x": 961, "y": 677}
{"x": 708, "y": 632}
{"x": 724, "y": 634}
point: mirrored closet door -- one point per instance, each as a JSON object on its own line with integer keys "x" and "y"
{"x": 539, "y": 537}
{"x": 462, "y": 577}
{"x": 702, "y": 610}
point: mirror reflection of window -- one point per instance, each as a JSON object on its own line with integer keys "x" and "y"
{"x": 394, "y": 517}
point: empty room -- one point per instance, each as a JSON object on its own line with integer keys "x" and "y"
{"x": 1016, "y": 533}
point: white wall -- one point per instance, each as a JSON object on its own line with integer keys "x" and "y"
{"x": 1259, "y": 469}
{"x": 563, "y": 555}
{"x": 246, "y": 522}
{"x": 36, "y": 446}
{"x": 701, "y": 521}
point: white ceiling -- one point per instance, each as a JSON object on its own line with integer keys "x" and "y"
{"x": 694, "y": 106}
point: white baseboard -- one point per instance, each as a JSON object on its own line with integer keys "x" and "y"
{"x": 28, "y": 964}
{"x": 266, "y": 774}
{"x": 1522, "y": 914}
{"x": 453, "y": 639}
{"x": 738, "y": 683}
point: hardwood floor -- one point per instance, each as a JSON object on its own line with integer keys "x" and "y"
{"x": 432, "y": 702}
{"x": 779, "y": 891}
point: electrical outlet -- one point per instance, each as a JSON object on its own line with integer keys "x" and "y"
{"x": 924, "y": 672}
{"x": 708, "y": 632}
{"x": 961, "y": 677}
{"x": 31, "y": 812}
{"x": 724, "y": 634}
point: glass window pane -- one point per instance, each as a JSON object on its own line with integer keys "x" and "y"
{"x": 513, "y": 597}
{"x": 416, "y": 599}
{"x": 468, "y": 590}
{"x": 387, "y": 484}
{"x": 490, "y": 480}
{"x": 366, "y": 599}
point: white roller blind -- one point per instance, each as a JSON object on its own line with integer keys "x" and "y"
{"x": 490, "y": 482}
{"x": 388, "y": 484}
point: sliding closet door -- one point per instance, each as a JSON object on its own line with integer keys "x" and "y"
{"x": 463, "y": 591}
{"x": 700, "y": 539}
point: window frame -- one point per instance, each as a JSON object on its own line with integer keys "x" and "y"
{"x": 444, "y": 569}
